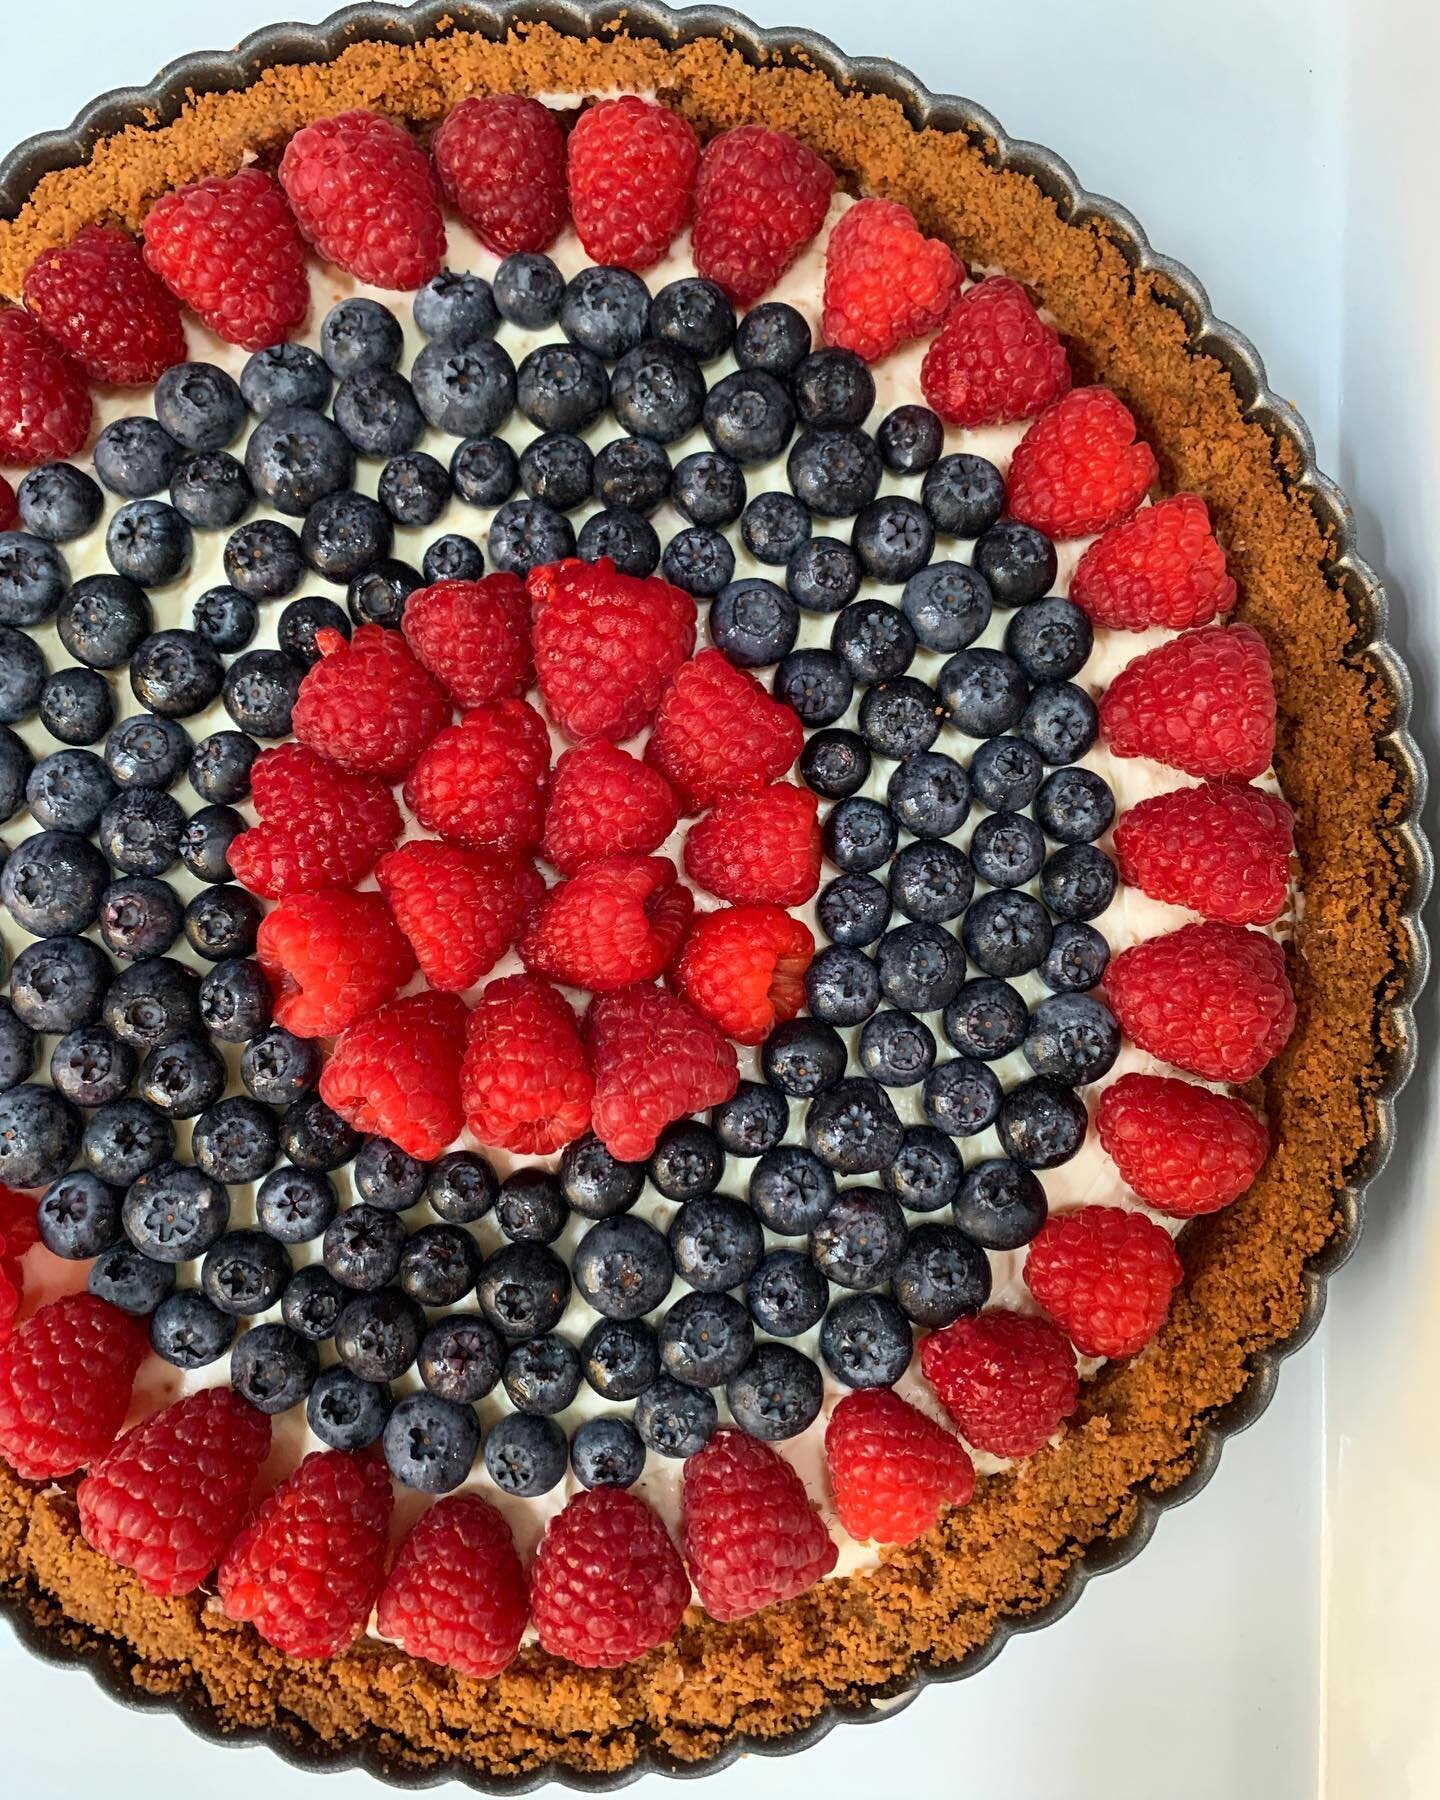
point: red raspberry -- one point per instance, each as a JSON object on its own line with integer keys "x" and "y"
{"x": 231, "y": 250}
{"x": 456, "y": 1593}
{"x": 17, "y": 1233}
{"x": 1183, "y": 1150}
{"x": 396, "y": 1073}
{"x": 995, "y": 359}
{"x": 620, "y": 920}
{"x": 763, "y": 846}
{"x": 1105, "y": 1276}
{"x": 44, "y": 402}
{"x": 9, "y": 506}
{"x": 331, "y": 956}
{"x": 631, "y": 166}
{"x": 524, "y": 1081}
{"x": 65, "y": 1381}
{"x": 484, "y": 781}
{"x": 501, "y": 163}
{"x": 1079, "y": 467}
{"x": 1163, "y": 567}
{"x": 751, "y": 1537}
{"x": 744, "y": 969}
{"x": 1213, "y": 999}
{"x": 892, "y": 1468}
{"x": 319, "y": 827}
{"x": 885, "y": 281}
{"x": 718, "y": 733}
{"x": 605, "y": 802}
{"x": 473, "y": 637}
{"x": 308, "y": 1565}
{"x": 98, "y": 300}
{"x": 1219, "y": 849}
{"x": 607, "y": 1584}
{"x": 1006, "y": 1379}
{"x": 761, "y": 196}
{"x": 606, "y": 644}
{"x": 364, "y": 196}
{"x": 461, "y": 910}
{"x": 654, "y": 1060}
{"x": 168, "y": 1497}
{"x": 1203, "y": 703}
{"x": 368, "y": 704}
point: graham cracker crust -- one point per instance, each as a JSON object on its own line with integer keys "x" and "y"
{"x": 1011, "y": 1550}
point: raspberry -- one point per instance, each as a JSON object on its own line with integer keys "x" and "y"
{"x": 718, "y": 733}
{"x": 331, "y": 956}
{"x": 607, "y": 1584}
{"x": 1213, "y": 999}
{"x": 501, "y": 164}
{"x": 18, "y": 1232}
{"x": 473, "y": 637}
{"x": 1105, "y": 1276}
{"x": 396, "y": 1073}
{"x": 631, "y": 166}
{"x": 892, "y": 1468}
{"x": 761, "y": 197}
{"x": 524, "y": 1081}
{"x": 1219, "y": 849}
{"x": 1163, "y": 567}
{"x": 168, "y": 1497}
{"x": 620, "y": 920}
{"x": 606, "y": 644}
{"x": 461, "y": 910}
{"x": 230, "y": 249}
{"x": 1079, "y": 468}
{"x": 885, "y": 281}
{"x": 456, "y": 1593}
{"x": 368, "y": 704}
{"x": 995, "y": 359}
{"x": 1006, "y": 1379}
{"x": 484, "y": 781}
{"x": 744, "y": 969}
{"x": 654, "y": 1060}
{"x": 1184, "y": 1150}
{"x": 44, "y": 402}
{"x": 605, "y": 802}
{"x": 319, "y": 827}
{"x": 364, "y": 196}
{"x": 1203, "y": 703}
{"x": 65, "y": 1381}
{"x": 308, "y": 1565}
{"x": 763, "y": 846}
{"x": 9, "y": 506}
{"x": 98, "y": 300}
{"x": 751, "y": 1537}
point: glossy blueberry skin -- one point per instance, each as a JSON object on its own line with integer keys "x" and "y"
{"x": 823, "y": 575}
{"x": 900, "y": 718}
{"x": 1078, "y": 882}
{"x": 23, "y": 678}
{"x": 263, "y": 560}
{"x": 431, "y": 1444}
{"x": 802, "y": 1057}
{"x": 1042, "y": 1123}
{"x": 542, "y": 1375}
{"x": 852, "y": 1127}
{"x": 313, "y": 1302}
{"x": 152, "y": 1002}
{"x": 962, "y": 1097}
{"x": 260, "y": 690}
{"x": 148, "y": 751}
{"x": 787, "y": 1294}
{"x": 140, "y": 831}
{"x": 530, "y": 1207}
{"x": 377, "y": 595}
{"x": 58, "y": 984}
{"x": 363, "y": 1245}
{"x": 607, "y": 1452}
{"x": 866, "y": 1341}
{"x": 984, "y": 692}
{"x": 294, "y": 457}
{"x": 484, "y": 471}
{"x": 853, "y": 909}
{"x": 926, "y": 1171}
{"x": 605, "y": 309}
{"x": 277, "y": 1067}
{"x": 921, "y": 967}
{"x": 188, "y": 1331}
{"x": 595, "y": 1183}
{"x": 1006, "y": 772}
{"x": 657, "y": 392}
{"x": 211, "y": 491}
{"x": 464, "y": 387}
{"x": 461, "y": 1356}
{"x": 524, "y": 533}
{"x": 526, "y": 1455}
{"x": 561, "y": 387}
{"x": 387, "y": 1177}
{"x": 135, "y": 457}
{"x": 295, "y": 1205}
{"x": 708, "y": 488}
{"x": 175, "y": 1213}
{"x": 772, "y": 336}
{"x": 833, "y": 389}
{"x": 345, "y": 1412}
{"x": 931, "y": 881}
{"x": 749, "y": 416}
{"x": 77, "y": 706}
{"x": 815, "y": 685}
{"x": 942, "y": 1277}
{"x": 842, "y": 985}
{"x": 344, "y": 534}
{"x": 377, "y": 1335}
{"x": 986, "y": 1019}
{"x": 705, "y": 1339}
{"x": 69, "y": 791}
{"x": 774, "y": 526}
{"x": 1077, "y": 959}
{"x": 414, "y": 488}
{"x": 523, "y": 1290}
{"x": 15, "y": 767}
{"x": 791, "y": 1190}
{"x": 1007, "y": 849}
{"x": 874, "y": 640}
{"x": 58, "y": 502}
{"x": 623, "y": 1267}
{"x": 225, "y": 618}
{"x": 698, "y": 560}
{"x": 455, "y": 304}
{"x": 860, "y": 834}
{"x": 859, "y": 1242}
{"x": 835, "y": 764}
{"x": 688, "y": 1161}
{"x": 752, "y": 1121}
{"x": 139, "y": 917}
{"x": 135, "y": 1283}
{"x": 717, "y": 1244}
{"x": 893, "y": 538}
{"x": 777, "y": 1394}
{"x": 223, "y": 922}
{"x": 244, "y": 1272}
{"x": 1018, "y": 562}
{"x": 1072, "y": 1038}
{"x": 453, "y": 558}
{"x": 964, "y": 495}
{"x": 631, "y": 474}
{"x": 929, "y": 794}
{"x": 148, "y": 542}
{"x": 377, "y": 411}
{"x": 102, "y": 619}
{"x": 630, "y": 542}
{"x": 896, "y": 1049}
{"x": 527, "y": 290}
{"x": 1074, "y": 806}
{"x": 1050, "y": 639}
{"x": 1000, "y": 1205}
{"x": 910, "y": 439}
{"x": 557, "y": 467}
{"x": 1007, "y": 933}
{"x": 90, "y": 1067}
{"x": 17, "y": 1048}
{"x": 78, "y": 1216}
{"x": 206, "y": 840}
{"x": 673, "y": 1419}
{"x": 1060, "y": 721}
{"x": 33, "y": 578}
{"x": 52, "y": 882}
{"x": 183, "y": 1077}
{"x": 621, "y": 1357}
{"x": 284, "y": 375}
{"x": 360, "y": 334}
{"x": 237, "y": 1140}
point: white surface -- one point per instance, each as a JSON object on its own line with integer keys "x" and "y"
{"x": 1196, "y": 1671}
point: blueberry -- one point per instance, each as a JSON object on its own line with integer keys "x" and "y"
{"x": 631, "y": 474}
{"x": 964, "y": 495}
{"x": 630, "y": 542}
{"x": 1075, "y": 806}
{"x": 815, "y": 684}
{"x": 1042, "y": 1123}
{"x": 657, "y": 391}
{"x": 1050, "y": 640}
{"x": 774, "y": 526}
{"x": 754, "y": 622}
{"x": 277, "y": 1068}
{"x": 90, "y": 1067}
{"x": 362, "y": 1245}
{"x": 388, "y": 1177}
{"x": 69, "y": 791}
{"x": 345, "y": 1412}
{"x": 134, "y": 1283}
{"x": 199, "y": 405}
{"x": 708, "y": 488}
{"x": 561, "y": 387}
{"x": 453, "y": 557}
{"x": 206, "y": 840}
{"x": 102, "y": 619}
{"x": 284, "y": 376}
{"x": 777, "y": 1394}
{"x": 929, "y": 794}
{"x": 687, "y": 1162}
{"x": 699, "y": 561}
{"x": 315, "y": 1137}
{"x": 430, "y": 1443}
{"x": 675, "y": 1420}
{"x": 526, "y": 1455}
{"x": 139, "y": 917}
{"x": 263, "y": 560}
{"x": 377, "y": 595}
{"x": 79, "y": 1216}
{"x": 910, "y": 439}
{"x": 1005, "y": 772}
{"x": 528, "y": 289}
{"x": 803, "y": 1057}
{"x": 15, "y": 771}
{"x": 1072, "y": 1038}
{"x": 414, "y": 488}
{"x": 377, "y": 1335}
{"x": 752, "y": 1121}
{"x": 717, "y": 1244}
{"x": 893, "y": 538}
{"x": 223, "y": 922}
{"x": 465, "y": 387}
{"x": 836, "y": 473}
{"x": 377, "y": 411}
{"x": 211, "y": 490}
{"x": 1060, "y": 722}
{"x": 1018, "y": 562}
{"x": 295, "y": 1205}
{"x": 1007, "y": 933}
{"x": 294, "y": 457}
{"x": 773, "y": 337}
{"x": 148, "y": 542}
{"x": 525, "y": 533}
{"x": 175, "y": 673}
{"x": 605, "y": 309}
{"x": 58, "y": 984}
{"x": 135, "y": 457}
{"x": 853, "y": 909}
{"x": 484, "y": 472}
{"x": 866, "y": 1341}
{"x": 556, "y": 467}
{"x": 595, "y": 1183}
{"x": 920, "y": 967}
{"x": 455, "y": 304}
{"x": 931, "y": 881}
{"x": 345, "y": 534}
{"x": 874, "y": 640}
{"x": 1000, "y": 1205}
{"x": 860, "y": 833}
{"x": 852, "y": 1127}
{"x": 140, "y": 831}
{"x": 984, "y": 691}
{"x": 749, "y": 416}
{"x": 835, "y": 763}
{"x": 791, "y": 1190}
{"x": 530, "y": 1207}
{"x": 236, "y": 1140}
{"x": 58, "y": 502}
{"x": 225, "y": 619}
{"x": 787, "y": 1294}
{"x": 693, "y": 315}
{"x": 858, "y": 1243}
{"x": 947, "y": 605}
{"x": 1078, "y": 882}
{"x": 926, "y": 1171}
{"x": 823, "y": 575}
{"x": 706, "y": 1338}
{"x": 1007, "y": 849}
{"x": 896, "y": 1049}
{"x": 542, "y": 1375}
{"x": 183, "y": 1077}
{"x": 17, "y": 1048}
{"x": 152, "y": 1002}
{"x": 173, "y": 1213}
{"x": 273, "y": 1367}
{"x": 622, "y": 1266}
{"x": 245, "y": 1272}
{"x": 52, "y": 883}
{"x": 942, "y": 1277}
{"x": 360, "y": 334}
{"x": 523, "y": 1290}
{"x": 460, "y": 1357}
{"x": 188, "y": 1331}
{"x": 147, "y": 751}
{"x": 607, "y": 1452}
{"x": 842, "y": 986}
{"x": 833, "y": 389}
{"x": 621, "y": 1357}
{"x": 900, "y": 718}
{"x": 22, "y": 681}
{"x": 1077, "y": 959}
{"x": 312, "y": 1302}
{"x": 260, "y": 691}
{"x": 986, "y": 1019}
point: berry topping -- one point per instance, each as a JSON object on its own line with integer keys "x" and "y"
{"x": 1183, "y": 1149}
{"x": 605, "y": 802}
{"x": 1079, "y": 468}
{"x": 1007, "y": 1379}
{"x": 319, "y": 827}
{"x": 761, "y": 197}
{"x": 631, "y": 167}
{"x": 473, "y": 637}
{"x": 524, "y": 1081}
{"x": 65, "y": 1381}
{"x": 364, "y": 196}
{"x": 98, "y": 300}
{"x": 460, "y": 909}
{"x": 1163, "y": 567}
{"x": 44, "y": 402}
{"x": 331, "y": 956}
{"x": 762, "y": 846}
{"x": 368, "y": 704}
{"x": 607, "y": 1584}
{"x": 484, "y": 781}
{"x": 885, "y": 281}
{"x": 500, "y": 159}
{"x": 1105, "y": 1276}
{"x": 892, "y": 1467}
{"x": 396, "y": 1073}
{"x": 456, "y": 1593}
{"x": 744, "y": 967}
{"x": 995, "y": 360}
{"x": 654, "y": 1060}
{"x": 1203, "y": 703}
{"x": 1220, "y": 849}
{"x": 718, "y": 733}
{"x": 619, "y": 921}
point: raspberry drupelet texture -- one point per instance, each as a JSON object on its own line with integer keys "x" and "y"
{"x": 718, "y": 733}
{"x": 484, "y": 782}
{"x": 892, "y": 1468}
{"x": 65, "y": 1381}
{"x": 396, "y": 1073}
{"x": 631, "y": 167}
{"x": 761, "y": 197}
{"x": 1105, "y": 1276}
{"x": 18, "y": 1231}
{"x": 605, "y": 802}
{"x": 619, "y": 921}
{"x": 524, "y": 1082}
{"x": 460, "y": 909}
{"x": 170, "y": 1495}
{"x": 44, "y": 401}
{"x": 473, "y": 637}
{"x": 1203, "y": 703}
{"x": 500, "y": 159}
{"x": 1079, "y": 468}
{"x": 331, "y": 956}
{"x": 9, "y": 506}
{"x": 307, "y": 1567}
{"x": 1221, "y": 849}
{"x": 456, "y": 1593}
{"x": 744, "y": 967}
{"x": 98, "y": 300}
{"x": 607, "y": 1583}
{"x": 994, "y": 360}
{"x": 654, "y": 1059}
{"x": 1007, "y": 1379}
{"x": 319, "y": 827}
{"x": 1183, "y": 1149}
{"x": 885, "y": 281}
{"x": 368, "y": 704}
{"x": 762, "y": 846}
{"x": 1163, "y": 567}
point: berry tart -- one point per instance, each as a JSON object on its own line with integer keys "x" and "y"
{"x": 687, "y": 976}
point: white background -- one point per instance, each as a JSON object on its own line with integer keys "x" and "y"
{"x": 1280, "y": 1637}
